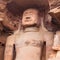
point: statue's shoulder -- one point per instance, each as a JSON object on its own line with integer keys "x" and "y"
{"x": 10, "y": 37}
{"x": 10, "y": 40}
{"x": 17, "y": 34}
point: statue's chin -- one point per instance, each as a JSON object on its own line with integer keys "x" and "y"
{"x": 33, "y": 25}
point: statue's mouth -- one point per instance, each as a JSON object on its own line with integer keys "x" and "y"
{"x": 27, "y": 17}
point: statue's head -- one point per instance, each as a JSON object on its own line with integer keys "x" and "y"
{"x": 30, "y": 17}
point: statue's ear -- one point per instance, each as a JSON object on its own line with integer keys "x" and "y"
{"x": 39, "y": 21}
{"x": 40, "y": 18}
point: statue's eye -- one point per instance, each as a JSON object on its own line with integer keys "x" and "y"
{"x": 26, "y": 12}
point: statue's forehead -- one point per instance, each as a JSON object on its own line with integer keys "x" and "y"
{"x": 31, "y": 11}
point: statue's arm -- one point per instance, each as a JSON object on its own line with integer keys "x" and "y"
{"x": 9, "y": 49}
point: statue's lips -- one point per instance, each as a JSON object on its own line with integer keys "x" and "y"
{"x": 28, "y": 20}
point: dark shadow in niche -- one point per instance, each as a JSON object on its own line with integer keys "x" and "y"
{"x": 43, "y": 55}
{"x": 16, "y": 9}
{"x": 13, "y": 8}
{"x": 14, "y": 52}
{"x": 52, "y": 25}
{"x": 56, "y": 23}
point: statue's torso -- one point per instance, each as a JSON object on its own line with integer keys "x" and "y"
{"x": 28, "y": 45}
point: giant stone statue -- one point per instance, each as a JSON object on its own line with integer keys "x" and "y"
{"x": 30, "y": 41}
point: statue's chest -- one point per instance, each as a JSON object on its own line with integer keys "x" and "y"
{"x": 29, "y": 38}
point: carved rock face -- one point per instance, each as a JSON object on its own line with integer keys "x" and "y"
{"x": 56, "y": 44}
{"x": 30, "y": 17}
{"x": 2, "y": 6}
{"x": 2, "y": 16}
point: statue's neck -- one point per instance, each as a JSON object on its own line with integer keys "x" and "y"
{"x": 34, "y": 28}
{"x": 30, "y": 29}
